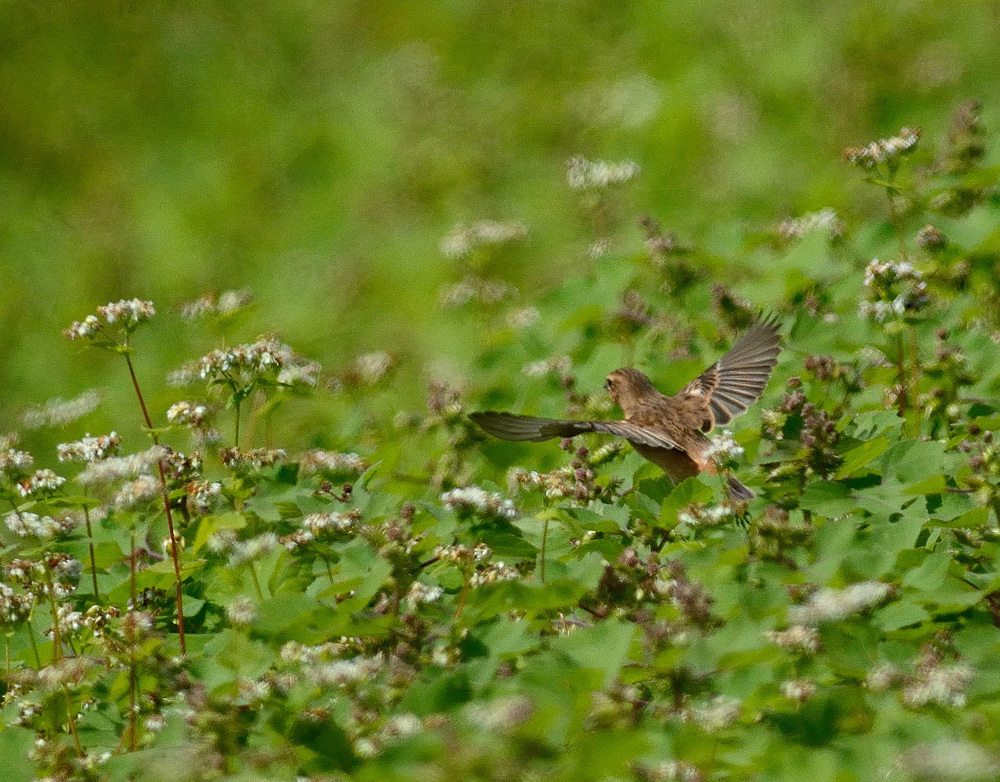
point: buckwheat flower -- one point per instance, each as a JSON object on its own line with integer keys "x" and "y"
{"x": 886, "y": 150}
{"x": 136, "y": 492}
{"x": 255, "y": 458}
{"x": 797, "y": 638}
{"x": 696, "y": 515}
{"x": 882, "y": 677}
{"x": 301, "y": 374}
{"x": 90, "y": 449}
{"x": 114, "y": 468}
{"x": 372, "y": 367}
{"x": 419, "y": 592}
{"x": 473, "y": 500}
{"x": 466, "y": 238}
{"x": 558, "y": 365}
{"x": 331, "y": 461}
{"x": 241, "y": 612}
{"x": 799, "y": 690}
{"x": 203, "y": 495}
{"x": 254, "y": 548}
{"x": 583, "y": 174}
{"x": 67, "y": 672}
{"x": 25, "y": 524}
{"x": 671, "y": 771}
{"x": 39, "y": 482}
{"x": 324, "y": 523}
{"x": 523, "y": 318}
{"x": 824, "y": 220}
{"x": 831, "y": 605}
{"x": 931, "y": 239}
{"x": 951, "y": 761}
{"x": 129, "y": 312}
{"x": 14, "y": 606}
{"x": 59, "y": 412}
{"x": 716, "y": 714}
{"x": 476, "y": 289}
{"x": 494, "y": 573}
{"x": 938, "y": 684}
{"x": 226, "y": 303}
{"x": 84, "y": 329}
{"x": 344, "y": 672}
{"x": 187, "y": 414}
{"x": 13, "y": 461}
{"x": 154, "y": 723}
{"x": 70, "y": 621}
{"x": 503, "y": 713}
{"x": 893, "y": 291}
{"x": 723, "y": 449}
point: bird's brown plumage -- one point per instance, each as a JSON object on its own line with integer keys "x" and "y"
{"x": 668, "y": 430}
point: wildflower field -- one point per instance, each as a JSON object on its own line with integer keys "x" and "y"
{"x": 252, "y": 534}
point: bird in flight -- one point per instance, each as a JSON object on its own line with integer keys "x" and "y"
{"x": 669, "y": 431}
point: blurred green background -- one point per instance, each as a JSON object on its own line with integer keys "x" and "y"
{"x": 318, "y": 152}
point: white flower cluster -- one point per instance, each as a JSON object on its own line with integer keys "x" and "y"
{"x": 797, "y": 638}
{"x": 714, "y": 715}
{"x": 268, "y": 357}
{"x": 135, "y": 492}
{"x": 372, "y": 367}
{"x": 798, "y": 690}
{"x": 419, "y": 592}
{"x": 226, "y": 303}
{"x": 523, "y": 318}
{"x": 503, "y": 713}
{"x": 116, "y": 467}
{"x": 583, "y": 174}
{"x": 203, "y": 495}
{"x": 39, "y": 481}
{"x": 724, "y": 449}
{"x": 242, "y": 611}
{"x": 129, "y": 313}
{"x": 466, "y": 238}
{"x": 474, "y": 500}
{"x": 831, "y": 605}
{"x": 25, "y": 524}
{"x": 90, "y": 449}
{"x": 331, "y": 461}
{"x": 255, "y": 458}
{"x": 59, "y": 412}
{"x": 938, "y": 684}
{"x": 697, "y": 515}
{"x": 894, "y": 289}
{"x": 476, "y": 289}
{"x": 12, "y": 461}
{"x": 240, "y": 551}
{"x": 187, "y": 414}
{"x": 557, "y": 365}
{"x": 494, "y": 573}
{"x": 885, "y": 150}
{"x": 14, "y": 606}
{"x": 822, "y": 220}
{"x": 325, "y": 523}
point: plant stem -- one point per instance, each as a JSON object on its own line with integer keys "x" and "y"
{"x": 914, "y": 379}
{"x": 93, "y": 558}
{"x": 256, "y": 582}
{"x": 236, "y": 425}
{"x": 56, "y": 635}
{"x": 174, "y": 553}
{"x": 894, "y": 216}
{"x": 545, "y": 537}
{"x": 901, "y": 371}
{"x": 72, "y": 722}
{"x": 34, "y": 641}
{"x": 132, "y": 677}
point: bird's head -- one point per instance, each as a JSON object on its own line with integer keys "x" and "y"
{"x": 626, "y": 385}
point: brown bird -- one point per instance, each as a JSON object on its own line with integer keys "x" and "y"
{"x": 668, "y": 430}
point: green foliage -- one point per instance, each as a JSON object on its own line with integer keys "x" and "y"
{"x": 333, "y": 574}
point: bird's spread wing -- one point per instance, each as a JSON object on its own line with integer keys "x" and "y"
{"x": 508, "y": 426}
{"x": 737, "y": 380}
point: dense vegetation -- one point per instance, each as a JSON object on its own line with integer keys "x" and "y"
{"x": 426, "y": 603}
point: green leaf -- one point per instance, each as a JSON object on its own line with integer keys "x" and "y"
{"x": 828, "y": 498}
{"x": 603, "y": 647}
{"x": 685, "y": 493}
{"x": 862, "y": 456}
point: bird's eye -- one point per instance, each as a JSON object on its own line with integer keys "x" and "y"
{"x": 608, "y": 384}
